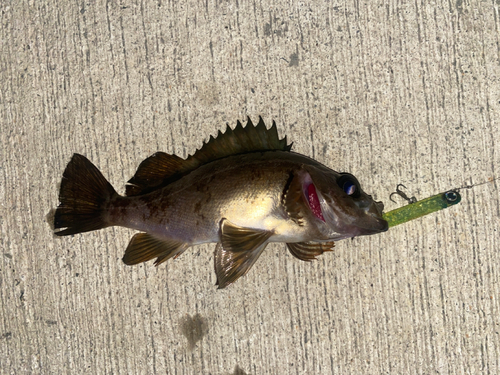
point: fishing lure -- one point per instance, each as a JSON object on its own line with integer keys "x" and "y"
{"x": 416, "y": 209}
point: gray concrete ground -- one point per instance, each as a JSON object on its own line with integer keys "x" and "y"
{"x": 392, "y": 92}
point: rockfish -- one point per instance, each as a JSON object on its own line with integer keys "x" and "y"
{"x": 241, "y": 190}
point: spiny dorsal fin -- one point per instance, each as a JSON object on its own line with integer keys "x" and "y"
{"x": 162, "y": 169}
{"x": 241, "y": 140}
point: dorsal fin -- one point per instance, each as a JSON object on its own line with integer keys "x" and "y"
{"x": 241, "y": 140}
{"x": 158, "y": 170}
{"x": 162, "y": 169}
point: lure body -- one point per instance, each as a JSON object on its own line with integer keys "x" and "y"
{"x": 421, "y": 208}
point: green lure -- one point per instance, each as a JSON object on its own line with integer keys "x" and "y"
{"x": 420, "y": 208}
{"x": 426, "y": 206}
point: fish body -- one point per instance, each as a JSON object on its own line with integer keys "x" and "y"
{"x": 241, "y": 190}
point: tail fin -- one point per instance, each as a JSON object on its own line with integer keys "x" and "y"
{"x": 85, "y": 195}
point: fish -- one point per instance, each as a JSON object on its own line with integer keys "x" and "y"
{"x": 242, "y": 190}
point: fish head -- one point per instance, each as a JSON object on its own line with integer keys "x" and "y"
{"x": 340, "y": 208}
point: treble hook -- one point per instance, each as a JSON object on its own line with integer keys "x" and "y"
{"x": 402, "y": 195}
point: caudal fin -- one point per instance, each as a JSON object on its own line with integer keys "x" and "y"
{"x": 85, "y": 195}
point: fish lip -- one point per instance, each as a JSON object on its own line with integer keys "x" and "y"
{"x": 380, "y": 226}
{"x": 384, "y": 225}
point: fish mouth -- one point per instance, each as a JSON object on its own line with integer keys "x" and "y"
{"x": 380, "y": 207}
{"x": 371, "y": 225}
{"x": 376, "y": 225}
{"x": 379, "y": 223}
{"x": 373, "y": 222}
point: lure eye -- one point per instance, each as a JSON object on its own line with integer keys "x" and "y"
{"x": 451, "y": 196}
{"x": 349, "y": 185}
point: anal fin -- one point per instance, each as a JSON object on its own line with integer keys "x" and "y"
{"x": 238, "y": 251}
{"x": 144, "y": 247}
{"x": 309, "y": 250}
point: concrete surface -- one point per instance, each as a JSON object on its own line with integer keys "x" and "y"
{"x": 393, "y": 92}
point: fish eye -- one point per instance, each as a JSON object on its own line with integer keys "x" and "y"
{"x": 349, "y": 188}
{"x": 349, "y": 185}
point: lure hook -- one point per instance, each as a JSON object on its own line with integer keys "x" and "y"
{"x": 403, "y": 195}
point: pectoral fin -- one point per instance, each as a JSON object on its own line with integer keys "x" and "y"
{"x": 309, "y": 250}
{"x": 239, "y": 249}
{"x": 236, "y": 239}
{"x": 144, "y": 247}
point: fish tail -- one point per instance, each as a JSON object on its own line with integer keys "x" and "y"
{"x": 85, "y": 196}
